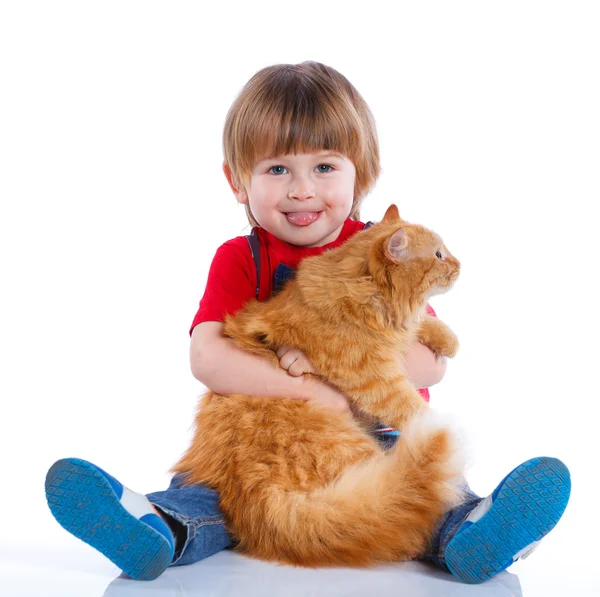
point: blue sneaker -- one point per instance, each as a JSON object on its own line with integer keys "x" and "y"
{"x": 508, "y": 524}
{"x": 116, "y": 521}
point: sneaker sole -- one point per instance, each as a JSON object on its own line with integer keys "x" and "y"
{"x": 530, "y": 502}
{"x": 84, "y": 503}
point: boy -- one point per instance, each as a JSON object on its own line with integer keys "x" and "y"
{"x": 301, "y": 153}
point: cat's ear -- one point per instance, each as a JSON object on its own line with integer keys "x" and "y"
{"x": 392, "y": 215}
{"x": 398, "y": 245}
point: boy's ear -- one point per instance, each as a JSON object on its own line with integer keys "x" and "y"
{"x": 240, "y": 194}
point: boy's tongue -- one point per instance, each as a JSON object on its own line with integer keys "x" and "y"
{"x": 302, "y": 218}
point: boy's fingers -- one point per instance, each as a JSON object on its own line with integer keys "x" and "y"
{"x": 288, "y": 359}
{"x": 305, "y": 365}
{"x": 293, "y": 361}
{"x": 282, "y": 350}
{"x": 296, "y": 369}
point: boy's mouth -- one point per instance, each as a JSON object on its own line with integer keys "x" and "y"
{"x": 302, "y": 218}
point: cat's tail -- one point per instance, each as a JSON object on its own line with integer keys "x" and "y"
{"x": 383, "y": 510}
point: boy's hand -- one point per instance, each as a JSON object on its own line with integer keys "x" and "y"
{"x": 293, "y": 361}
{"x": 326, "y": 395}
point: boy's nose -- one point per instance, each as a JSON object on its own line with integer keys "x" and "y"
{"x": 301, "y": 195}
{"x": 301, "y": 191}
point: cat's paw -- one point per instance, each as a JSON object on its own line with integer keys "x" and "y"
{"x": 449, "y": 346}
{"x": 438, "y": 337}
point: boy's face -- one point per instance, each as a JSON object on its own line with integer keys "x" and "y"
{"x": 302, "y": 199}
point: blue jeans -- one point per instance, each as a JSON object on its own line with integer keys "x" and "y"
{"x": 200, "y": 525}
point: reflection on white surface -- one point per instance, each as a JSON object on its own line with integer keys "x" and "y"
{"x": 68, "y": 568}
{"x": 233, "y": 575}
{"x": 226, "y": 574}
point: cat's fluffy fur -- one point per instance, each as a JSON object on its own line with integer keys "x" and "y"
{"x": 300, "y": 483}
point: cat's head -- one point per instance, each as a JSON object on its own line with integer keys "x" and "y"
{"x": 414, "y": 258}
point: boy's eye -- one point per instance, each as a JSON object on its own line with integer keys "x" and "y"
{"x": 278, "y": 169}
{"x": 322, "y": 169}
{"x": 330, "y": 168}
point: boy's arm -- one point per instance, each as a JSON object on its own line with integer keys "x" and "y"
{"x": 226, "y": 369}
{"x": 420, "y": 365}
{"x": 422, "y": 368}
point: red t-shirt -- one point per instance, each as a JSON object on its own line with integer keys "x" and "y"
{"x": 232, "y": 274}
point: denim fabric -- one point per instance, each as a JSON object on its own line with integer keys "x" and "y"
{"x": 283, "y": 273}
{"x": 196, "y": 508}
{"x": 447, "y": 527}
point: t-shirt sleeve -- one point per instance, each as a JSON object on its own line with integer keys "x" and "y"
{"x": 231, "y": 282}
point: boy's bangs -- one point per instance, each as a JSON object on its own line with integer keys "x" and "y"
{"x": 306, "y": 128}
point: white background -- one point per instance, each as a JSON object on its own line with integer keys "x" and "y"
{"x": 113, "y": 203}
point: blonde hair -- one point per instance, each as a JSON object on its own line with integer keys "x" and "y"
{"x": 300, "y": 108}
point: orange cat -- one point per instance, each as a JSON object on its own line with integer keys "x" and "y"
{"x": 300, "y": 483}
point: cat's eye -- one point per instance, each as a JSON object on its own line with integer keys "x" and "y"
{"x": 439, "y": 255}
